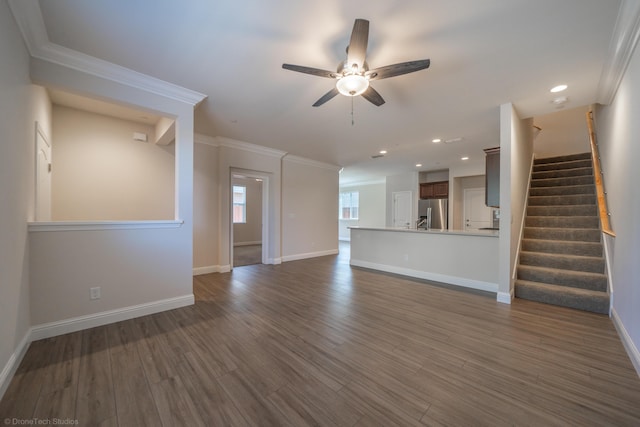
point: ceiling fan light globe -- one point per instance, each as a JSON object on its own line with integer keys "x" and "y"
{"x": 352, "y": 85}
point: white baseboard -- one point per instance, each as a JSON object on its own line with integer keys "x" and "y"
{"x": 257, "y": 242}
{"x": 344, "y": 239}
{"x": 504, "y": 297}
{"x": 632, "y": 350}
{"x": 224, "y": 268}
{"x": 425, "y": 275}
{"x": 74, "y": 324}
{"x": 11, "y": 367}
{"x": 309, "y": 255}
{"x": 197, "y": 271}
{"x": 52, "y": 329}
{"x": 274, "y": 261}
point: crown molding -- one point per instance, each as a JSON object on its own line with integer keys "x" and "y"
{"x": 29, "y": 18}
{"x": 623, "y": 42}
{"x": 309, "y": 162}
{"x": 200, "y": 138}
{"x": 240, "y": 145}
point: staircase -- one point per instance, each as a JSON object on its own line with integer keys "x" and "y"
{"x": 561, "y": 258}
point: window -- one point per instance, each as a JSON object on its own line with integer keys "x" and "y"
{"x": 348, "y": 205}
{"x": 239, "y": 204}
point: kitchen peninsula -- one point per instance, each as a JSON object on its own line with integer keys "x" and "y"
{"x": 457, "y": 257}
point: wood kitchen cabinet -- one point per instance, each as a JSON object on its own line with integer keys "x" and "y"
{"x": 434, "y": 190}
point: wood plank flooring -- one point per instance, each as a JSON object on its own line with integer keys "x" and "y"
{"x": 316, "y": 342}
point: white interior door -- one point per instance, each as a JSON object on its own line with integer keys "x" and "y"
{"x": 43, "y": 177}
{"x": 402, "y": 208}
{"x": 476, "y": 213}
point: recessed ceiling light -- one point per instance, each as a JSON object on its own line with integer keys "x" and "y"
{"x": 435, "y": 141}
{"x": 383, "y": 151}
{"x": 464, "y": 158}
{"x": 418, "y": 165}
{"x": 560, "y": 100}
{"x": 558, "y": 88}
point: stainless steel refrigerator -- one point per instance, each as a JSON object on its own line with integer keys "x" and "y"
{"x": 435, "y": 212}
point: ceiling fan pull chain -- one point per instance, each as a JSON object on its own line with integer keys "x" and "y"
{"x": 352, "y": 120}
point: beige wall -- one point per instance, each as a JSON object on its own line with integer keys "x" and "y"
{"x": 618, "y": 130}
{"x": 372, "y": 210}
{"x": 250, "y": 232}
{"x": 206, "y": 216}
{"x": 101, "y": 173}
{"x": 309, "y": 208}
{"x": 21, "y": 105}
{"x": 563, "y": 132}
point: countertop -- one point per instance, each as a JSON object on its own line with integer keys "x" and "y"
{"x": 482, "y": 233}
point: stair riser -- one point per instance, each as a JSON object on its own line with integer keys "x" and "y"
{"x": 536, "y": 259}
{"x": 563, "y": 190}
{"x": 564, "y": 165}
{"x": 590, "y": 222}
{"x": 563, "y": 173}
{"x": 590, "y": 235}
{"x": 563, "y": 278}
{"x": 562, "y": 200}
{"x": 562, "y": 159}
{"x": 598, "y": 304}
{"x": 575, "y": 210}
{"x": 555, "y": 182}
{"x": 563, "y": 248}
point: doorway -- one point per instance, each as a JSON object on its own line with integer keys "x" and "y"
{"x": 402, "y": 209}
{"x": 43, "y": 176}
{"x": 249, "y": 218}
{"x": 476, "y": 214}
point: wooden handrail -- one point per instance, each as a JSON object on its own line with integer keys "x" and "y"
{"x": 597, "y": 172}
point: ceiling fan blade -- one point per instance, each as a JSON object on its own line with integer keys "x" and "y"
{"x": 373, "y": 96}
{"x": 357, "y": 50}
{"x": 309, "y": 70}
{"x": 398, "y": 69}
{"x": 327, "y": 96}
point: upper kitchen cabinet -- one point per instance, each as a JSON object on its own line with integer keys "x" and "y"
{"x": 492, "y": 176}
{"x": 434, "y": 190}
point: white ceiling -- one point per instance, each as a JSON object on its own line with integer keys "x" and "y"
{"x": 483, "y": 54}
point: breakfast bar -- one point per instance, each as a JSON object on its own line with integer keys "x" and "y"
{"x": 456, "y": 257}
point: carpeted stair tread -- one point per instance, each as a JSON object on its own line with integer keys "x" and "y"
{"x": 557, "y": 276}
{"x": 591, "y": 264}
{"x": 564, "y": 233}
{"x": 561, "y": 257}
{"x": 564, "y": 199}
{"x": 562, "y": 173}
{"x": 563, "y": 190}
{"x": 572, "y": 180}
{"x": 562, "y": 159}
{"x": 562, "y": 247}
{"x": 590, "y": 221}
{"x": 582, "y": 299}
{"x": 571, "y": 164}
{"x": 570, "y": 210}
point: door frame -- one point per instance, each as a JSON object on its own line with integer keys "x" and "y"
{"x": 266, "y": 237}
{"x": 39, "y": 133}
{"x": 393, "y": 208}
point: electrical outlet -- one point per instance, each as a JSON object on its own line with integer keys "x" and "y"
{"x": 95, "y": 292}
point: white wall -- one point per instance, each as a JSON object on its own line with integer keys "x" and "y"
{"x": 100, "y": 173}
{"x": 141, "y": 269}
{"x": 563, "y": 132}
{"x": 402, "y": 182}
{"x": 618, "y": 134}
{"x": 371, "y": 211}
{"x": 516, "y": 157}
{"x": 309, "y": 208}
{"x": 249, "y": 232}
{"x": 206, "y": 212}
{"x": 21, "y": 105}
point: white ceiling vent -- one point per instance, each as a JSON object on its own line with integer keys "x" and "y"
{"x": 452, "y": 140}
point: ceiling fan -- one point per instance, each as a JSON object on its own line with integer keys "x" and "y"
{"x": 353, "y": 75}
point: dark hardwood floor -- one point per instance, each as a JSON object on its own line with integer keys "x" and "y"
{"x": 316, "y": 342}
